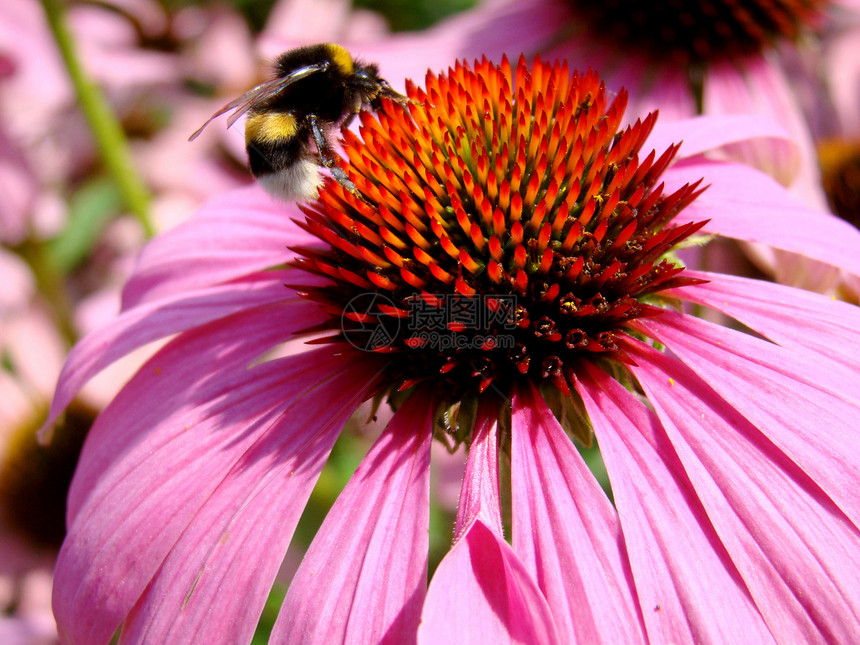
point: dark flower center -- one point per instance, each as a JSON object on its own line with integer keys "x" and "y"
{"x": 698, "y": 32}
{"x": 35, "y": 479}
{"x": 508, "y": 231}
{"x": 840, "y": 173}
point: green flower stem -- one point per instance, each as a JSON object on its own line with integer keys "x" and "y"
{"x": 102, "y": 122}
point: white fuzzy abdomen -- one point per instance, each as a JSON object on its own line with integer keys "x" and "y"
{"x": 300, "y": 181}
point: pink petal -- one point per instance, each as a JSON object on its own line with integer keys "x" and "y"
{"x": 566, "y": 531}
{"x": 798, "y": 401}
{"x": 481, "y": 592}
{"x": 689, "y": 590}
{"x": 241, "y": 232}
{"x": 702, "y": 134}
{"x": 265, "y": 295}
{"x": 762, "y": 88}
{"x": 214, "y": 583}
{"x": 665, "y": 89}
{"x": 797, "y": 553}
{"x": 167, "y": 447}
{"x": 745, "y": 204}
{"x": 843, "y": 70}
{"x": 364, "y": 576}
{"x": 788, "y": 316}
{"x": 217, "y": 355}
{"x": 479, "y": 494}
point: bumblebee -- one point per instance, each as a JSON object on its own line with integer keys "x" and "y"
{"x": 315, "y": 89}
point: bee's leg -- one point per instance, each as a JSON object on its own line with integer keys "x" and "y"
{"x": 327, "y": 158}
{"x": 349, "y": 119}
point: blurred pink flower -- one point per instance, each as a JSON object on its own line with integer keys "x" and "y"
{"x": 28, "y": 340}
{"x": 714, "y": 59}
{"x": 37, "y": 97}
{"x": 31, "y": 622}
{"x": 832, "y": 96}
{"x": 142, "y": 58}
{"x": 733, "y": 457}
{"x": 834, "y": 67}
{"x": 33, "y": 480}
{"x": 18, "y": 187}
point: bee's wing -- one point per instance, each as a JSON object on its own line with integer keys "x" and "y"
{"x": 263, "y": 91}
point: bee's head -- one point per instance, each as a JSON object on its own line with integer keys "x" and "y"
{"x": 373, "y": 89}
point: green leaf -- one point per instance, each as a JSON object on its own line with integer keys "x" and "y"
{"x": 90, "y": 209}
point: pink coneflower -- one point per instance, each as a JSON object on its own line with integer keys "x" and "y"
{"x": 831, "y": 102}
{"x": 34, "y": 479}
{"x": 519, "y": 197}
{"x": 711, "y": 58}
{"x": 714, "y": 58}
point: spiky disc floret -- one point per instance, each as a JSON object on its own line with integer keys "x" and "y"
{"x": 508, "y": 228}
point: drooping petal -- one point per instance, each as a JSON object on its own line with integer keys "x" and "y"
{"x": 234, "y": 235}
{"x": 566, "y": 531}
{"x": 214, "y": 583}
{"x": 806, "y": 408}
{"x": 702, "y": 134}
{"x": 150, "y": 322}
{"x": 689, "y": 590}
{"x": 481, "y": 593}
{"x": 479, "y": 494}
{"x": 797, "y": 553}
{"x": 763, "y": 88}
{"x": 745, "y": 204}
{"x": 219, "y": 363}
{"x": 364, "y": 576}
{"x": 169, "y": 457}
{"x": 788, "y": 316}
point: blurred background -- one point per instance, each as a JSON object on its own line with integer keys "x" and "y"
{"x": 97, "y": 100}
